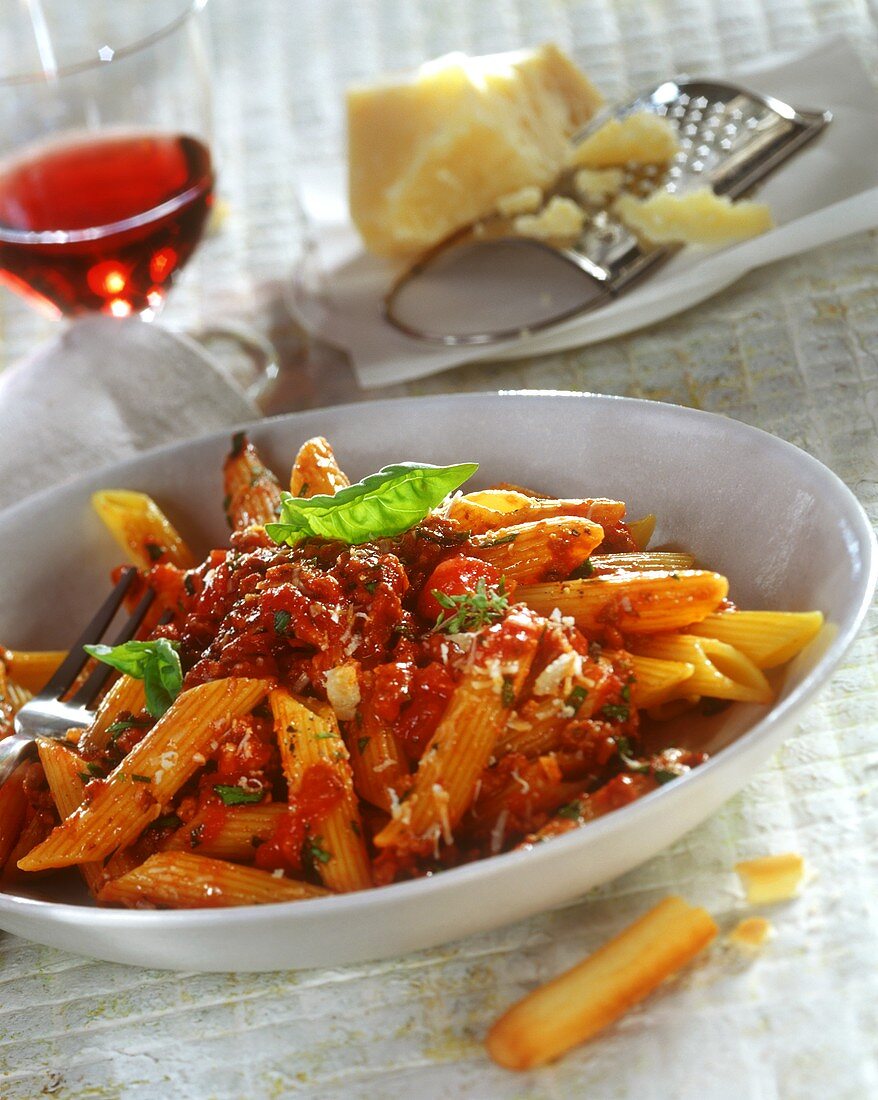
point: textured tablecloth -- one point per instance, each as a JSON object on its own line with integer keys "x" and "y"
{"x": 792, "y": 349}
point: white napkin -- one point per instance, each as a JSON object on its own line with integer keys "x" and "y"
{"x": 103, "y": 390}
{"x": 828, "y": 191}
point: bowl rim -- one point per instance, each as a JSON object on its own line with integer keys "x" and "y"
{"x": 364, "y": 901}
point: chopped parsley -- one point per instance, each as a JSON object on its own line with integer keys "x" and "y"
{"x": 316, "y": 851}
{"x": 281, "y": 622}
{"x": 137, "y": 778}
{"x": 471, "y": 610}
{"x": 154, "y": 551}
{"x": 362, "y": 742}
{"x": 507, "y": 693}
{"x": 572, "y": 811}
{"x": 237, "y": 796}
{"x": 121, "y": 725}
{"x": 501, "y": 541}
{"x": 615, "y": 712}
{"x": 576, "y": 698}
{"x": 583, "y": 571}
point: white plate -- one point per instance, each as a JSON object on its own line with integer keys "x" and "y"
{"x": 783, "y": 528}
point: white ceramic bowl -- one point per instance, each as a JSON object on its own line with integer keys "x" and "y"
{"x": 786, "y": 531}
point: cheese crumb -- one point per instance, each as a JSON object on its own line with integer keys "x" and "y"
{"x": 696, "y": 217}
{"x": 751, "y": 934}
{"x": 596, "y": 185}
{"x": 772, "y": 878}
{"x": 343, "y": 690}
{"x": 643, "y": 138}
{"x": 560, "y": 219}
{"x": 527, "y": 200}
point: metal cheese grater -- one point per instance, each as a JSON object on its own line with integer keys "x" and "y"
{"x": 729, "y": 138}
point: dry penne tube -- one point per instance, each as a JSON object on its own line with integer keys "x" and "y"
{"x": 134, "y": 794}
{"x": 32, "y": 669}
{"x": 181, "y": 880}
{"x": 233, "y": 832}
{"x": 772, "y": 878}
{"x": 635, "y": 603}
{"x": 768, "y": 638}
{"x": 581, "y": 1002}
{"x": 252, "y": 490}
{"x": 307, "y": 739}
{"x": 719, "y": 670}
{"x": 545, "y": 549}
{"x": 315, "y": 471}
{"x": 460, "y": 748}
{"x": 141, "y": 528}
{"x": 124, "y": 701}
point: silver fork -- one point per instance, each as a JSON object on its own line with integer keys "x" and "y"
{"x": 49, "y": 714}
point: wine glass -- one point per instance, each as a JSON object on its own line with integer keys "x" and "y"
{"x": 106, "y": 175}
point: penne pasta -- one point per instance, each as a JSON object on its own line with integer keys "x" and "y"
{"x": 719, "y": 670}
{"x": 656, "y": 680}
{"x": 768, "y": 638}
{"x": 473, "y": 721}
{"x": 135, "y": 792}
{"x": 493, "y": 508}
{"x": 252, "y": 490}
{"x": 449, "y": 676}
{"x": 641, "y": 531}
{"x": 13, "y": 808}
{"x": 180, "y": 880}
{"x": 581, "y": 1002}
{"x": 32, "y": 669}
{"x": 641, "y": 562}
{"x": 233, "y": 832}
{"x": 543, "y": 550}
{"x": 126, "y": 697}
{"x": 308, "y": 739}
{"x": 377, "y": 761}
{"x": 315, "y": 471}
{"x": 635, "y": 603}
{"x": 141, "y": 529}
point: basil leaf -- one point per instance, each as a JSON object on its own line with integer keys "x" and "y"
{"x": 379, "y": 506}
{"x": 156, "y": 663}
{"x": 236, "y": 796}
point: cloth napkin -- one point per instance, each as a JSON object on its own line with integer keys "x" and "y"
{"x": 826, "y": 192}
{"x": 102, "y": 390}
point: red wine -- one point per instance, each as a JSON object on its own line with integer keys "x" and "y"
{"x": 102, "y": 223}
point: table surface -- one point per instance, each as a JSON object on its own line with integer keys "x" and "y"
{"x": 792, "y": 349}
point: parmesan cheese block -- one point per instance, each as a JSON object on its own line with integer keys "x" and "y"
{"x": 434, "y": 150}
{"x": 695, "y": 217}
{"x": 643, "y": 138}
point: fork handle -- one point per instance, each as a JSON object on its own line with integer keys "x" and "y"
{"x": 13, "y": 750}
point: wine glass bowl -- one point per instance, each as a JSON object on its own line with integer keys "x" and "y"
{"x": 106, "y": 175}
